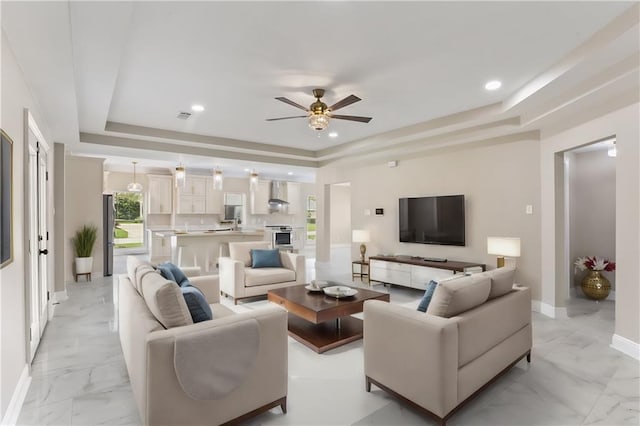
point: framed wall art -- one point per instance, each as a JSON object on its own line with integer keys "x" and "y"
{"x": 6, "y": 199}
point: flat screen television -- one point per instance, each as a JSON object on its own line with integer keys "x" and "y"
{"x": 432, "y": 220}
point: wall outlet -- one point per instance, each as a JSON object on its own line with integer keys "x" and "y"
{"x": 529, "y": 209}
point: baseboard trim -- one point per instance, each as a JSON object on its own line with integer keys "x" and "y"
{"x": 17, "y": 399}
{"x": 626, "y": 346}
{"x": 548, "y": 310}
{"x": 60, "y": 296}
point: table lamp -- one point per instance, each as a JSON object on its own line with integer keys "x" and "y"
{"x": 503, "y": 247}
{"x": 361, "y": 236}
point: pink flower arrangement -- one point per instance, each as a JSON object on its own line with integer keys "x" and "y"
{"x": 595, "y": 263}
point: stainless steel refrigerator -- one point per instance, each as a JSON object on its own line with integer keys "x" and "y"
{"x": 108, "y": 223}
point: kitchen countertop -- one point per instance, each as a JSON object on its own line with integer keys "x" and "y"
{"x": 207, "y": 233}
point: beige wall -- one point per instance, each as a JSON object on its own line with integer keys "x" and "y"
{"x": 624, "y": 125}
{"x": 497, "y": 182}
{"x": 340, "y": 232}
{"x": 59, "y": 244}
{"x": 83, "y": 206}
{"x": 15, "y": 97}
{"x": 592, "y": 207}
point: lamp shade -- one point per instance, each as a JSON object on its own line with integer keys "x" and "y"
{"x": 503, "y": 246}
{"x": 360, "y": 236}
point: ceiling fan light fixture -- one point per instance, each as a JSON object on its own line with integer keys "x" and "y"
{"x": 318, "y": 121}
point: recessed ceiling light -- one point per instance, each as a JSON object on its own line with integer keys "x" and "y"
{"x": 493, "y": 85}
{"x": 197, "y": 108}
{"x": 333, "y": 135}
{"x": 247, "y": 170}
{"x": 289, "y": 173}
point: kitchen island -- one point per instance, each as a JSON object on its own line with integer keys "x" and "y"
{"x": 202, "y": 248}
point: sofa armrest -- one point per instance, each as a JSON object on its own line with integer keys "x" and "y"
{"x": 297, "y": 263}
{"x": 231, "y": 276}
{"x": 413, "y": 354}
{"x": 209, "y": 285}
{"x": 265, "y": 381}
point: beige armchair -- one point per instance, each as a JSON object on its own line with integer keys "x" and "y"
{"x": 239, "y": 280}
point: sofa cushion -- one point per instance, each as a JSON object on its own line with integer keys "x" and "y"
{"x": 453, "y": 297}
{"x": 165, "y": 300}
{"x": 166, "y": 273}
{"x": 264, "y": 276}
{"x": 241, "y": 251}
{"x": 196, "y": 302}
{"x": 141, "y": 271}
{"x": 269, "y": 258}
{"x": 428, "y": 294}
{"x": 501, "y": 281}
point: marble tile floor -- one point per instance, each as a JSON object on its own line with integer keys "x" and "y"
{"x": 575, "y": 378}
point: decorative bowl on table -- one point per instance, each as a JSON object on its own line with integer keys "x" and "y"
{"x": 339, "y": 291}
{"x": 316, "y": 285}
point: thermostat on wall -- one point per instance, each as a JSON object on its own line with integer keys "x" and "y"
{"x": 379, "y": 211}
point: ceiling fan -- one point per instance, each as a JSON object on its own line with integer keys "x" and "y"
{"x": 319, "y": 113}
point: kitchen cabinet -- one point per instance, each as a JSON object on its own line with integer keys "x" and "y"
{"x": 260, "y": 198}
{"x": 160, "y": 191}
{"x": 160, "y": 250}
{"x": 214, "y": 199}
{"x": 293, "y": 197}
{"x": 192, "y": 198}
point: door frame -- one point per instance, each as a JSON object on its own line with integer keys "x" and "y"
{"x": 45, "y": 274}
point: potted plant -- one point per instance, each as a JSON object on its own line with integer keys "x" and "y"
{"x": 83, "y": 242}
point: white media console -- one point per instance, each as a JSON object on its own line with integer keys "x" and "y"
{"x": 415, "y": 272}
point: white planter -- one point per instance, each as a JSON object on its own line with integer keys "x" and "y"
{"x": 84, "y": 265}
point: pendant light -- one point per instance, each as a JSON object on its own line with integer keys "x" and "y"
{"x": 253, "y": 181}
{"x": 217, "y": 179}
{"x": 181, "y": 176}
{"x": 134, "y": 186}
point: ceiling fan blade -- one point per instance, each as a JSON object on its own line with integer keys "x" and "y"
{"x": 351, "y": 118}
{"x": 286, "y": 118}
{"x": 290, "y": 102}
{"x": 343, "y": 103}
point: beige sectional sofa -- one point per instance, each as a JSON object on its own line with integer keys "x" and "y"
{"x": 213, "y": 372}
{"x": 239, "y": 280}
{"x": 475, "y": 328}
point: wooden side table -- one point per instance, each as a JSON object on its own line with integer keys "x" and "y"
{"x": 87, "y": 276}
{"x": 363, "y": 270}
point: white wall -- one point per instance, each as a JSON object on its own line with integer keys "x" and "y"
{"x": 497, "y": 182}
{"x": 624, "y": 124}
{"x": 341, "y": 214}
{"x": 83, "y": 206}
{"x": 15, "y": 97}
{"x": 592, "y": 188}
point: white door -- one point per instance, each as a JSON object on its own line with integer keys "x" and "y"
{"x": 38, "y": 242}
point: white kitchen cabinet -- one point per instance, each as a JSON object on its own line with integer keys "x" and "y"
{"x": 214, "y": 199}
{"x": 260, "y": 198}
{"x": 192, "y": 198}
{"x": 195, "y": 186}
{"x": 293, "y": 197}
{"x": 160, "y": 194}
{"x": 160, "y": 249}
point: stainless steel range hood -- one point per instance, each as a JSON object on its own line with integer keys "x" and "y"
{"x": 278, "y": 196}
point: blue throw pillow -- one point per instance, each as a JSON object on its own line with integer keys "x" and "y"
{"x": 165, "y": 271}
{"x": 178, "y": 276}
{"x": 265, "y": 258}
{"x": 196, "y": 302}
{"x": 428, "y": 294}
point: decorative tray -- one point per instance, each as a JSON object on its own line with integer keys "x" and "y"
{"x": 340, "y": 291}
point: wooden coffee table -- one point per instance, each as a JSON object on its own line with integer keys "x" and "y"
{"x": 321, "y": 322}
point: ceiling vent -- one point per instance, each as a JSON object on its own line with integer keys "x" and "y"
{"x": 184, "y": 115}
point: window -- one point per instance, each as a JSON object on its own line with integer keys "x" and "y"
{"x": 311, "y": 218}
{"x": 129, "y": 224}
